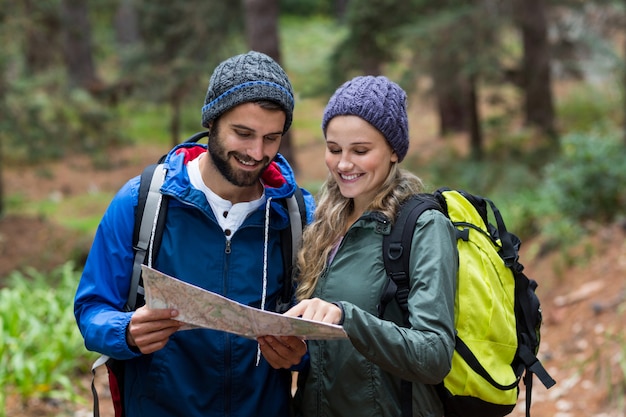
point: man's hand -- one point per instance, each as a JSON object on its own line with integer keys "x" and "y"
{"x": 282, "y": 351}
{"x": 150, "y": 329}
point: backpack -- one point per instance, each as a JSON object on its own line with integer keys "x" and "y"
{"x": 148, "y": 230}
{"x": 497, "y": 312}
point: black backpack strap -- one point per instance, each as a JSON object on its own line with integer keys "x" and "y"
{"x": 528, "y": 304}
{"x": 149, "y": 223}
{"x": 291, "y": 241}
{"x": 396, "y": 254}
{"x": 197, "y": 136}
{"x": 509, "y": 251}
{"x": 397, "y": 250}
{"x": 96, "y": 403}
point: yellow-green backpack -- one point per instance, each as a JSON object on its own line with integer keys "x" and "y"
{"x": 497, "y": 312}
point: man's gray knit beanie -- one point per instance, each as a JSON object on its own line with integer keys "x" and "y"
{"x": 377, "y": 100}
{"x": 243, "y": 78}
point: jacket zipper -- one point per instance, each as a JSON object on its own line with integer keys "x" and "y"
{"x": 227, "y": 342}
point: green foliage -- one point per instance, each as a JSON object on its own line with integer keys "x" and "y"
{"x": 364, "y": 50}
{"x": 182, "y": 43}
{"x": 583, "y": 107}
{"x": 81, "y": 213}
{"x": 149, "y": 122}
{"x": 610, "y": 357}
{"x": 587, "y": 181}
{"x": 307, "y": 45}
{"x": 46, "y": 120}
{"x": 306, "y": 8}
{"x": 508, "y": 181}
{"x": 490, "y": 176}
{"x": 40, "y": 345}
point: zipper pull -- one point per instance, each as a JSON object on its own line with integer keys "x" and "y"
{"x": 227, "y": 250}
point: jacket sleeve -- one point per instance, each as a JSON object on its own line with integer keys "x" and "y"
{"x": 422, "y": 353}
{"x": 104, "y": 284}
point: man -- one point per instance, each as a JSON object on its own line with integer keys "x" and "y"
{"x": 222, "y": 233}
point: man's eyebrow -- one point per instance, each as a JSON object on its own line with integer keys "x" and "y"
{"x": 248, "y": 128}
{"x": 238, "y": 126}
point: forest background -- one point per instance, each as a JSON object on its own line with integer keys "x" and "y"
{"x": 520, "y": 100}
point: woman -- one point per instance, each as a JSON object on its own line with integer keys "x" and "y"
{"x": 342, "y": 274}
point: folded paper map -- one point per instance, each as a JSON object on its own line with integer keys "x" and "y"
{"x": 198, "y": 307}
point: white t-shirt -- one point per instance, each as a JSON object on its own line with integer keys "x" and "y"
{"x": 229, "y": 216}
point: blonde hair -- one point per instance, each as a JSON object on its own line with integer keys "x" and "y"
{"x": 334, "y": 209}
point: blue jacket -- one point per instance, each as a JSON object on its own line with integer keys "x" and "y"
{"x": 199, "y": 372}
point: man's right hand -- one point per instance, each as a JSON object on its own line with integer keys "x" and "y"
{"x": 150, "y": 329}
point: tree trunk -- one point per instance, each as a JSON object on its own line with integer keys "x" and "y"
{"x": 77, "y": 45}
{"x": 41, "y": 47}
{"x": 2, "y": 108}
{"x": 536, "y": 76}
{"x": 341, "y": 6}
{"x": 370, "y": 61}
{"x": 175, "y": 105}
{"x": 126, "y": 23}
{"x": 476, "y": 133}
{"x": 449, "y": 88}
{"x": 452, "y": 111}
{"x": 3, "y": 112}
{"x": 261, "y": 17}
{"x": 624, "y": 84}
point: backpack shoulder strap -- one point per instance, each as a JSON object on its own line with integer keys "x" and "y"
{"x": 291, "y": 240}
{"x": 397, "y": 251}
{"x": 149, "y": 222}
{"x": 396, "y": 254}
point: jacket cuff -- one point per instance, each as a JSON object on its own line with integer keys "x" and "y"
{"x": 343, "y": 313}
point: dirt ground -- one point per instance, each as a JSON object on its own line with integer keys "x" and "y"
{"x": 583, "y": 338}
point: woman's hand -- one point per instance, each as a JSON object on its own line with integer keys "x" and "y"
{"x": 317, "y": 310}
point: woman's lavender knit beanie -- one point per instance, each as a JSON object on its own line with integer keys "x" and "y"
{"x": 380, "y": 102}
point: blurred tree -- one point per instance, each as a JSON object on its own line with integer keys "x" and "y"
{"x": 77, "y": 45}
{"x": 622, "y": 24}
{"x": 536, "y": 80}
{"x": 126, "y": 23}
{"x": 456, "y": 44}
{"x": 459, "y": 41}
{"x": 261, "y": 19}
{"x": 41, "y": 34}
{"x": 3, "y": 93}
{"x": 372, "y": 38}
{"x": 306, "y": 8}
{"x": 341, "y": 6}
{"x": 181, "y": 43}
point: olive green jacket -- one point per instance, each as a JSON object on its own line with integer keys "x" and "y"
{"x": 361, "y": 376}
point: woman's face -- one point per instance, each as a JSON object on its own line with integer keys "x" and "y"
{"x": 359, "y": 158}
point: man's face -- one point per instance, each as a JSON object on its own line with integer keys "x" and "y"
{"x": 244, "y": 142}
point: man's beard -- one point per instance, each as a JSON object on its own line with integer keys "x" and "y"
{"x": 220, "y": 158}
